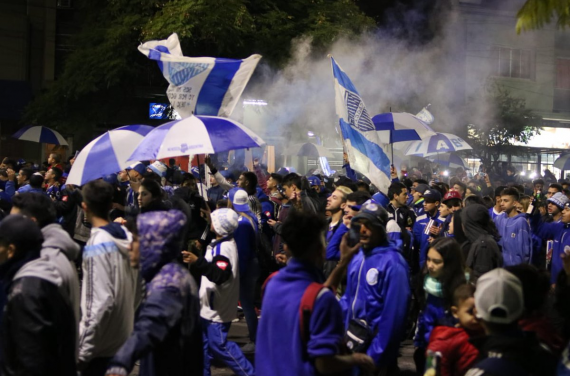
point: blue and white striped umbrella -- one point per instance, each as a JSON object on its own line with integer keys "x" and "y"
{"x": 563, "y": 163}
{"x": 398, "y": 127}
{"x": 107, "y": 154}
{"x": 41, "y": 134}
{"x": 195, "y": 135}
{"x": 448, "y": 160}
{"x": 440, "y": 143}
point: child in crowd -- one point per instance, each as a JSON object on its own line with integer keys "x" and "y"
{"x": 452, "y": 342}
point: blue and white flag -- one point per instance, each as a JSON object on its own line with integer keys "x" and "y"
{"x": 200, "y": 85}
{"x": 365, "y": 151}
{"x": 425, "y": 116}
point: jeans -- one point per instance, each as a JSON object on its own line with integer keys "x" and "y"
{"x": 247, "y": 285}
{"x": 216, "y": 345}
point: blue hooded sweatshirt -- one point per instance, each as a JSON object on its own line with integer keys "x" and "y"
{"x": 245, "y": 236}
{"x": 420, "y": 238}
{"x": 559, "y": 233}
{"x": 516, "y": 239}
{"x": 378, "y": 292}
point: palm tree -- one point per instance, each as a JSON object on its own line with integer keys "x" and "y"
{"x": 535, "y": 13}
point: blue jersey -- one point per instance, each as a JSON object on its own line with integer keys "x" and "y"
{"x": 378, "y": 292}
{"x": 280, "y": 350}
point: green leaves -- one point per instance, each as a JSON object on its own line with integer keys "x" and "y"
{"x": 536, "y": 13}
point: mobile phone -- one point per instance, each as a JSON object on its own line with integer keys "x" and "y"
{"x": 76, "y": 154}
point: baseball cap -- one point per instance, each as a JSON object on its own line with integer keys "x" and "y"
{"x": 421, "y": 188}
{"x": 239, "y": 199}
{"x": 451, "y": 195}
{"x": 374, "y": 212}
{"x": 225, "y": 221}
{"x": 432, "y": 195}
{"x": 314, "y": 180}
{"x": 138, "y": 167}
{"x": 499, "y": 297}
{"x": 559, "y": 199}
{"x": 381, "y": 198}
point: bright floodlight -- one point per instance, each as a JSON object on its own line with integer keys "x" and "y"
{"x": 523, "y": 173}
{"x": 310, "y": 134}
{"x": 445, "y": 173}
{"x": 533, "y": 175}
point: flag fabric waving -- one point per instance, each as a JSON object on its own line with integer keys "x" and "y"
{"x": 365, "y": 151}
{"x": 200, "y": 85}
{"x": 425, "y": 116}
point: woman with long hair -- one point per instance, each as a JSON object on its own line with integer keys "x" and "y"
{"x": 442, "y": 273}
{"x": 484, "y": 253}
{"x": 150, "y": 197}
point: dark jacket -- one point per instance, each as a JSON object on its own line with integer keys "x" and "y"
{"x": 38, "y": 326}
{"x": 484, "y": 254}
{"x": 166, "y": 336}
{"x": 519, "y": 350}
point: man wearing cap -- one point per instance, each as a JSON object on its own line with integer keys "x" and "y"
{"x": 418, "y": 193}
{"x": 450, "y": 204}
{"x": 134, "y": 173}
{"x": 506, "y": 349}
{"x": 219, "y": 294}
{"x": 315, "y": 184}
{"x": 427, "y": 225}
{"x": 558, "y": 232}
{"x": 378, "y": 290}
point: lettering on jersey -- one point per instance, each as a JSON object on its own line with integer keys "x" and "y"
{"x": 222, "y": 264}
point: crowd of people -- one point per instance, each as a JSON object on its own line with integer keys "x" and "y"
{"x": 153, "y": 264}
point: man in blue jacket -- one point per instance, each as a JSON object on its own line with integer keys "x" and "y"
{"x": 319, "y": 352}
{"x": 559, "y": 233}
{"x": 516, "y": 240}
{"x": 377, "y": 290}
{"x": 427, "y": 225}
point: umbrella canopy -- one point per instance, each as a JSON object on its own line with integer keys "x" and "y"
{"x": 448, "y": 160}
{"x": 440, "y": 143}
{"x": 308, "y": 149}
{"x": 107, "y": 154}
{"x": 400, "y": 127}
{"x": 41, "y": 134}
{"x": 195, "y": 135}
{"x": 563, "y": 163}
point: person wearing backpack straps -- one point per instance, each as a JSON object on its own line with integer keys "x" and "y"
{"x": 301, "y": 330}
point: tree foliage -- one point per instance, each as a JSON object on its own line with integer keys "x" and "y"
{"x": 102, "y": 75}
{"x": 534, "y": 14}
{"x": 497, "y": 120}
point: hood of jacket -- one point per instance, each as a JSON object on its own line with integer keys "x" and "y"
{"x": 118, "y": 234}
{"x": 477, "y": 222}
{"x": 160, "y": 240}
{"x": 56, "y": 237}
{"x": 40, "y": 268}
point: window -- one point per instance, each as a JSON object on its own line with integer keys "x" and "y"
{"x": 563, "y": 74}
{"x": 512, "y": 62}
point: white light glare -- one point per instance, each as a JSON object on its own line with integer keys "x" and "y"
{"x": 255, "y": 102}
{"x": 523, "y": 173}
{"x": 445, "y": 173}
{"x": 533, "y": 175}
{"x": 310, "y": 134}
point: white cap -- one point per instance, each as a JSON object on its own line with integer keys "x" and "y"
{"x": 225, "y": 221}
{"x": 499, "y": 297}
{"x": 240, "y": 201}
{"x": 159, "y": 168}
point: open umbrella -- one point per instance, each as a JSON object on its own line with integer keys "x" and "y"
{"x": 195, "y": 135}
{"x": 440, "y": 143}
{"x": 450, "y": 160}
{"x": 41, "y": 134}
{"x": 400, "y": 127}
{"x": 107, "y": 154}
{"x": 563, "y": 163}
{"x": 308, "y": 149}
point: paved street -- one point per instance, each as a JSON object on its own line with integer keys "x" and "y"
{"x": 238, "y": 333}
